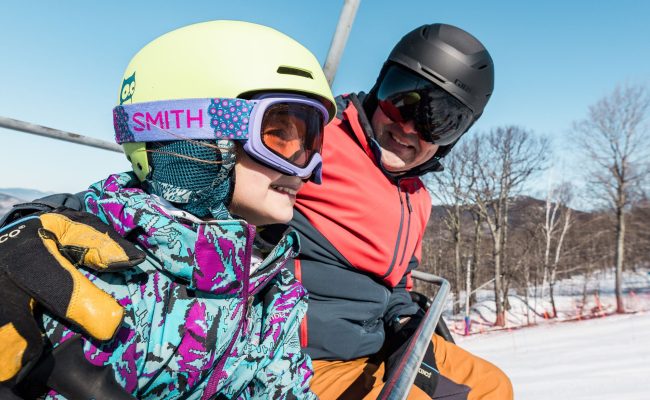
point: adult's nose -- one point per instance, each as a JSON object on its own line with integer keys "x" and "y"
{"x": 409, "y": 127}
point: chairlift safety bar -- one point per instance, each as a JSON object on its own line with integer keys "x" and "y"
{"x": 399, "y": 383}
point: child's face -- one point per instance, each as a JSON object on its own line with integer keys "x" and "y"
{"x": 262, "y": 195}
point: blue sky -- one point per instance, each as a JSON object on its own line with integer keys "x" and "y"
{"x": 62, "y": 63}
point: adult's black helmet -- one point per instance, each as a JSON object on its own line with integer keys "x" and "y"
{"x": 450, "y": 58}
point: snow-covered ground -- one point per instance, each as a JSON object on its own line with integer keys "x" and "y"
{"x": 600, "y": 358}
{"x": 586, "y": 353}
{"x": 575, "y": 298}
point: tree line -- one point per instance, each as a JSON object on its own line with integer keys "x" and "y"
{"x": 486, "y": 232}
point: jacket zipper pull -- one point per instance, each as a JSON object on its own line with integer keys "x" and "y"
{"x": 399, "y": 192}
{"x": 408, "y": 202}
{"x": 249, "y": 309}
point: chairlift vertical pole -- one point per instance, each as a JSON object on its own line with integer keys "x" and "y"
{"x": 340, "y": 38}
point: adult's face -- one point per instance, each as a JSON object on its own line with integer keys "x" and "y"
{"x": 401, "y": 147}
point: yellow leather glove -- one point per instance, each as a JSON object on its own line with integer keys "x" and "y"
{"x": 39, "y": 256}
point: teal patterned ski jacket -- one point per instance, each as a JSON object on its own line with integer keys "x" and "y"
{"x": 198, "y": 323}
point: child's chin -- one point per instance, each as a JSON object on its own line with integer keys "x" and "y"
{"x": 283, "y": 216}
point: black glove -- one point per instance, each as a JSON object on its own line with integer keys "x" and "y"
{"x": 398, "y": 337}
{"x": 38, "y": 259}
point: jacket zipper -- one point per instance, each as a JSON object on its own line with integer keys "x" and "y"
{"x": 242, "y": 328}
{"x": 399, "y": 232}
{"x": 408, "y": 226}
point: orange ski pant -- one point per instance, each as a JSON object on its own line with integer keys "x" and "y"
{"x": 362, "y": 378}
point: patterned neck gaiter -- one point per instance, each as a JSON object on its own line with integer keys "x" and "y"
{"x": 195, "y": 176}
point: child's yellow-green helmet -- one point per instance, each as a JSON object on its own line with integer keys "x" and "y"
{"x": 219, "y": 59}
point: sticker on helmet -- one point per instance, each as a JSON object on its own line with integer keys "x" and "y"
{"x": 128, "y": 88}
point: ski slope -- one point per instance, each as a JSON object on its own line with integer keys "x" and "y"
{"x": 602, "y": 358}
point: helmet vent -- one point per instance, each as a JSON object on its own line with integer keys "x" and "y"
{"x": 483, "y": 66}
{"x": 433, "y": 74}
{"x": 294, "y": 71}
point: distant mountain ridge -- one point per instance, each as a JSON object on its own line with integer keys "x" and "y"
{"x": 6, "y": 202}
{"x": 11, "y": 196}
{"x": 24, "y": 194}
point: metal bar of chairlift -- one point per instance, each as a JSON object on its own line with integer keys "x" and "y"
{"x": 40, "y": 130}
{"x": 399, "y": 382}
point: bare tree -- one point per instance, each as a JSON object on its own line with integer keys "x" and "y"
{"x": 450, "y": 187}
{"x": 476, "y": 248}
{"x": 433, "y": 245}
{"x": 556, "y": 224}
{"x": 506, "y": 158}
{"x": 522, "y": 249}
{"x": 616, "y": 141}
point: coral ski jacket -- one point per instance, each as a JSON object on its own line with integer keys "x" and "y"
{"x": 361, "y": 233}
{"x": 199, "y": 322}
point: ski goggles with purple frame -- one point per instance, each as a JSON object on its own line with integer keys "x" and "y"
{"x": 282, "y": 131}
